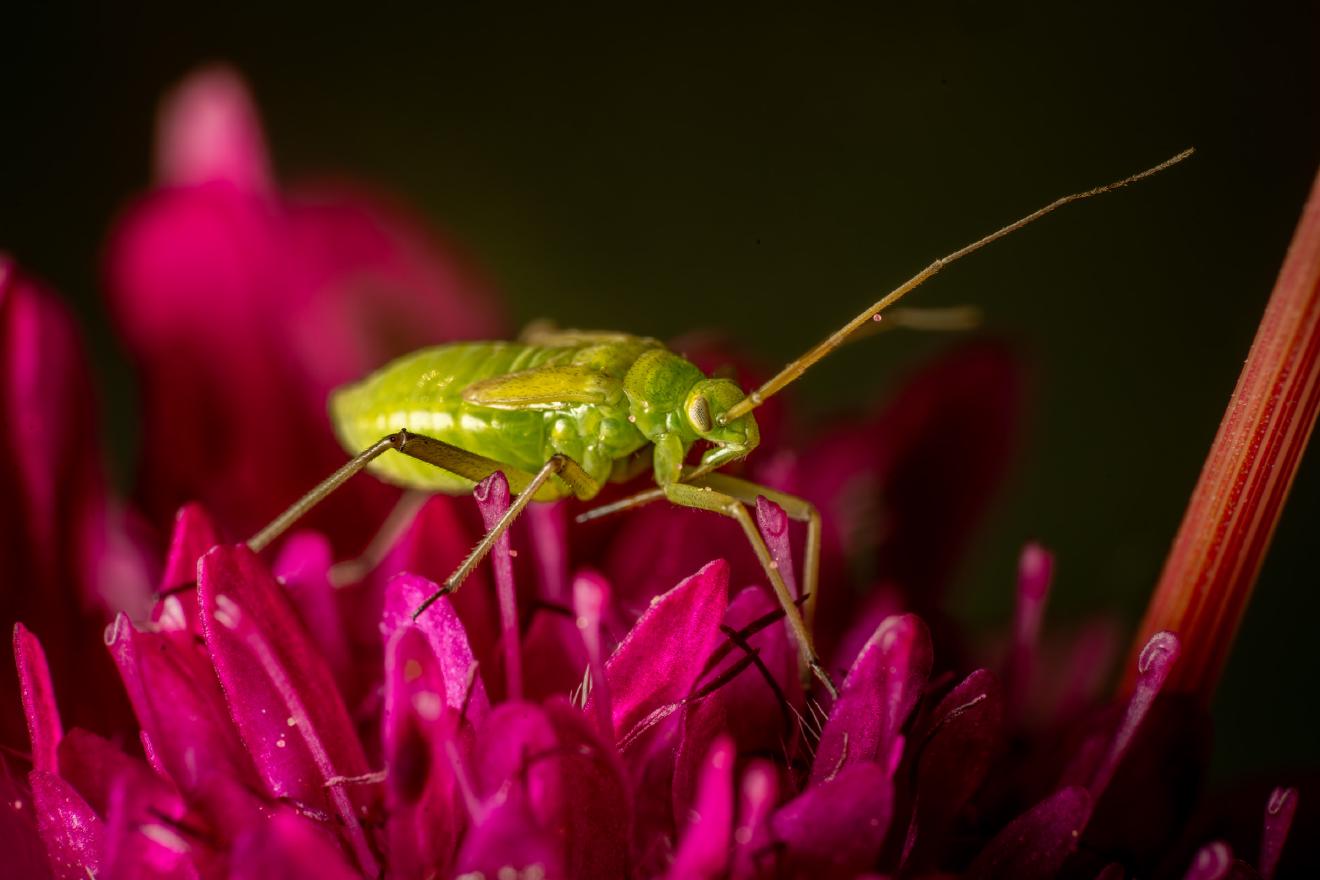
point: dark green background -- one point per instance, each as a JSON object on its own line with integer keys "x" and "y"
{"x": 767, "y": 172}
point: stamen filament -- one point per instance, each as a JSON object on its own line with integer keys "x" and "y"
{"x": 492, "y": 495}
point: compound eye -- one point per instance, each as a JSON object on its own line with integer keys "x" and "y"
{"x": 699, "y": 415}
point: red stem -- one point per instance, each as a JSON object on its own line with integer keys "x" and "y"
{"x": 1212, "y": 567}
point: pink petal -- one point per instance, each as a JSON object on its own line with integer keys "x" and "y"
{"x": 1215, "y": 861}
{"x": 425, "y": 818}
{"x": 962, "y": 739}
{"x": 508, "y": 842}
{"x": 431, "y": 548}
{"x": 1279, "y": 812}
{"x": 492, "y": 497}
{"x": 415, "y": 717}
{"x": 20, "y": 842}
{"x": 756, "y": 803}
{"x": 513, "y": 744}
{"x": 1154, "y": 665}
{"x": 1211, "y": 862}
{"x": 547, "y": 524}
{"x": 179, "y": 704}
{"x": 229, "y": 808}
{"x": 657, "y": 546}
{"x": 839, "y": 824}
{"x": 879, "y": 601}
{"x": 287, "y": 846}
{"x": 1035, "y": 571}
{"x": 759, "y": 720}
{"x": 772, "y": 522}
{"x": 591, "y": 603}
{"x": 1157, "y": 753}
{"x": 66, "y": 543}
{"x": 95, "y": 767}
{"x": 876, "y": 697}
{"x": 72, "y": 832}
{"x": 193, "y": 535}
{"x": 704, "y": 726}
{"x": 281, "y": 694}
{"x": 303, "y": 567}
{"x": 140, "y": 847}
{"x": 658, "y": 661}
{"x": 142, "y": 811}
{"x": 447, "y": 637}
{"x": 706, "y": 838}
{"x": 553, "y": 653}
{"x": 756, "y": 707}
{"x": 208, "y": 130}
{"x": 1034, "y": 845}
{"x": 43, "y": 716}
{"x": 44, "y": 393}
{"x": 598, "y": 812}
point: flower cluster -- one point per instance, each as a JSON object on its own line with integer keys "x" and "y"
{"x": 621, "y": 699}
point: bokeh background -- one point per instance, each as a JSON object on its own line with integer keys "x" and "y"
{"x": 768, "y": 172}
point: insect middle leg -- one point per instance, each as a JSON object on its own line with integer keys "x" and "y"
{"x": 457, "y": 461}
{"x": 560, "y": 465}
{"x": 443, "y": 455}
{"x": 705, "y": 497}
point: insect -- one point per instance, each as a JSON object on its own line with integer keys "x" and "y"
{"x": 562, "y": 413}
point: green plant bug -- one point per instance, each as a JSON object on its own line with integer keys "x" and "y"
{"x": 563, "y": 412}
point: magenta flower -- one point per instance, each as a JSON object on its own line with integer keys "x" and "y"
{"x": 616, "y": 700}
{"x": 67, "y": 550}
{"x": 244, "y": 307}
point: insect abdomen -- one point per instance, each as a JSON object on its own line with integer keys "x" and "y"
{"x": 422, "y": 392}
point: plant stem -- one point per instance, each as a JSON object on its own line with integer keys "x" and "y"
{"x": 1226, "y": 531}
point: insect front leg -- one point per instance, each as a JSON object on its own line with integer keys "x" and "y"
{"x": 706, "y": 498}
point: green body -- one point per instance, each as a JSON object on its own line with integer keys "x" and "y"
{"x": 602, "y": 399}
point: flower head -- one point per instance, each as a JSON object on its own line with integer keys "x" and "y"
{"x": 621, "y": 700}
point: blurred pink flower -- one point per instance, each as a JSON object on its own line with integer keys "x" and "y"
{"x": 66, "y": 548}
{"x": 244, "y": 307}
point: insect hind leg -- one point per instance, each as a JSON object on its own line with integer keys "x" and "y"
{"x": 436, "y": 452}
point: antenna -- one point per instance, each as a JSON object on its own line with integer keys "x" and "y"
{"x": 840, "y": 336}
